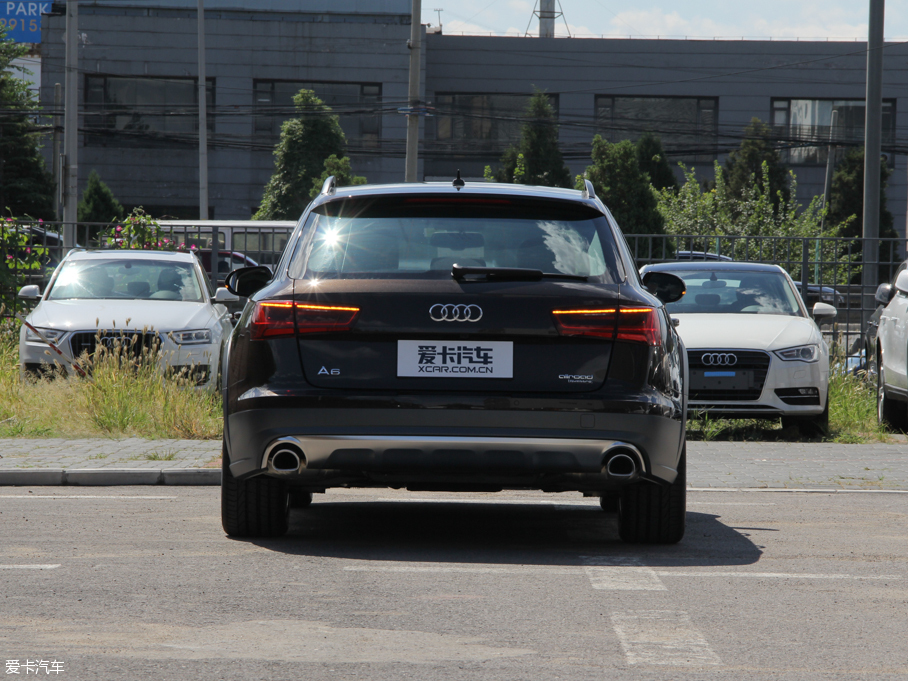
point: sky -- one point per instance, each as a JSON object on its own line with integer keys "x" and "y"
{"x": 756, "y": 19}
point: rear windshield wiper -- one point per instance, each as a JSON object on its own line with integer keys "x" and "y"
{"x": 510, "y": 274}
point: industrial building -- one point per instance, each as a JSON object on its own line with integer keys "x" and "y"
{"x": 138, "y": 96}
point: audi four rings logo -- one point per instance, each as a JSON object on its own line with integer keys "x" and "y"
{"x": 455, "y": 313}
{"x": 719, "y": 359}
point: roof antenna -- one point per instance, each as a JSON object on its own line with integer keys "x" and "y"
{"x": 458, "y": 182}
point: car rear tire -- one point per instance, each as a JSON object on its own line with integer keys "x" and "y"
{"x": 608, "y": 501}
{"x": 889, "y": 412}
{"x": 256, "y": 507}
{"x": 300, "y": 498}
{"x": 650, "y": 513}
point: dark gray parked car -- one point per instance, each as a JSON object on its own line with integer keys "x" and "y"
{"x": 450, "y": 337}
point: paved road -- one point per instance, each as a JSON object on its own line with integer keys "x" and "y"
{"x": 711, "y": 464}
{"x": 139, "y": 582}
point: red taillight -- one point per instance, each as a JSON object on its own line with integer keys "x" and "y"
{"x": 635, "y": 324}
{"x": 599, "y": 323}
{"x": 274, "y": 319}
{"x": 324, "y": 318}
{"x": 639, "y": 325}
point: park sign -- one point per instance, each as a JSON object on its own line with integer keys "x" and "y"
{"x": 22, "y": 19}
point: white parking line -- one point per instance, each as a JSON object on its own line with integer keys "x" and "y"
{"x": 662, "y": 637}
{"x": 593, "y": 503}
{"x": 769, "y": 575}
{"x": 29, "y": 567}
{"x": 79, "y": 496}
{"x": 473, "y": 570}
{"x": 728, "y": 503}
{"x": 606, "y": 573}
{"x": 610, "y": 574}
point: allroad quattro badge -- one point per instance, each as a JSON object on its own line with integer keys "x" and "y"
{"x": 455, "y": 313}
{"x": 719, "y": 359}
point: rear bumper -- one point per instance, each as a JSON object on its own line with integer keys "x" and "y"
{"x": 556, "y": 451}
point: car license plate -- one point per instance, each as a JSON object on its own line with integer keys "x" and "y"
{"x": 455, "y": 359}
{"x": 720, "y": 379}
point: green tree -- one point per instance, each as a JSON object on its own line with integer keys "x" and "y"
{"x": 846, "y": 208}
{"x": 306, "y": 141}
{"x": 846, "y": 196}
{"x": 623, "y": 186}
{"x": 744, "y": 165}
{"x": 536, "y": 159}
{"x": 343, "y": 175}
{"x": 652, "y": 161}
{"x": 716, "y": 215}
{"x": 98, "y": 203}
{"x": 26, "y": 188}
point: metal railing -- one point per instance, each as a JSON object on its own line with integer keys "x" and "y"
{"x": 828, "y": 269}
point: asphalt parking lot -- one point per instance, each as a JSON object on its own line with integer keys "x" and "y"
{"x": 140, "y": 582}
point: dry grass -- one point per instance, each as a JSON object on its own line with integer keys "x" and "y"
{"x": 852, "y": 417}
{"x": 125, "y": 398}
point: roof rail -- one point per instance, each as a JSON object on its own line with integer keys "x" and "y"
{"x": 330, "y": 186}
{"x": 589, "y": 192}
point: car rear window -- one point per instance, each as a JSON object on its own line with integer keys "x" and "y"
{"x": 423, "y": 237}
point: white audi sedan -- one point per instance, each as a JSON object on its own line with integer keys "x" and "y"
{"x": 149, "y": 299}
{"x": 753, "y": 350}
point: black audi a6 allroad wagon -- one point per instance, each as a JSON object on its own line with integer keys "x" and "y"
{"x": 455, "y": 337}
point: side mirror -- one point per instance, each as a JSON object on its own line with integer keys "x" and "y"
{"x": 222, "y": 295}
{"x": 901, "y": 282}
{"x": 823, "y": 313}
{"x": 884, "y": 293}
{"x": 665, "y": 286}
{"x": 30, "y": 292}
{"x": 247, "y": 280}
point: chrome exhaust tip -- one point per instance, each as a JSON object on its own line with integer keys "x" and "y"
{"x": 623, "y": 463}
{"x": 285, "y": 456}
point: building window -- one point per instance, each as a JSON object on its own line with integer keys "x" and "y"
{"x": 131, "y": 111}
{"x": 804, "y": 125}
{"x": 688, "y": 126}
{"x": 357, "y": 106}
{"x": 484, "y": 121}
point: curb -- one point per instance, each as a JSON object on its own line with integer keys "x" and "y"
{"x": 39, "y": 477}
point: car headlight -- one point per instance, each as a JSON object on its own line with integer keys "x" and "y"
{"x": 802, "y": 353}
{"x": 192, "y": 337}
{"x": 53, "y": 335}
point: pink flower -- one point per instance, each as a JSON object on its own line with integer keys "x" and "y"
{"x": 166, "y": 241}
{"x": 28, "y": 250}
{"x": 182, "y": 245}
{"x": 40, "y": 221}
{"x": 118, "y": 229}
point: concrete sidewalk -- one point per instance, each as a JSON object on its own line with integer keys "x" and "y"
{"x": 719, "y": 465}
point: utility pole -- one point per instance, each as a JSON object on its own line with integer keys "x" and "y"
{"x": 71, "y": 126}
{"x": 413, "y": 93}
{"x": 57, "y": 155}
{"x": 873, "y": 124}
{"x": 203, "y": 145}
{"x": 830, "y": 163}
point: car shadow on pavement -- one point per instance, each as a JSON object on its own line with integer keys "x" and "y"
{"x": 477, "y": 533}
